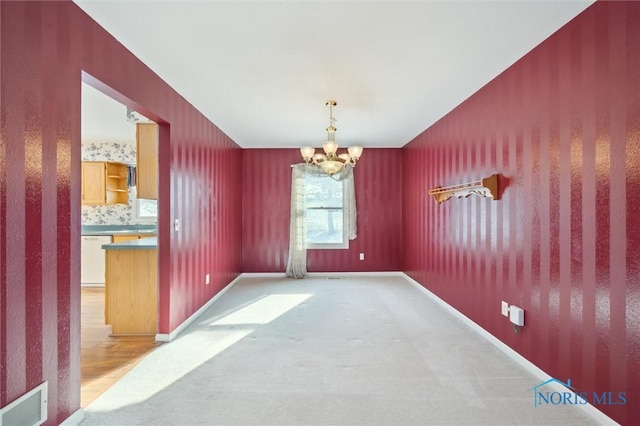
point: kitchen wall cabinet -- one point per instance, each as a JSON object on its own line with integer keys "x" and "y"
{"x": 147, "y": 160}
{"x": 104, "y": 183}
{"x": 93, "y": 183}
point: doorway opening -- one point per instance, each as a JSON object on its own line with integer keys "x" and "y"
{"x": 116, "y": 206}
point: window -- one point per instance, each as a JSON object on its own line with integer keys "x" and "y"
{"x": 146, "y": 210}
{"x": 324, "y": 213}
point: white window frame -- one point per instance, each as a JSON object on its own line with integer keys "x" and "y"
{"x": 137, "y": 209}
{"x": 345, "y": 237}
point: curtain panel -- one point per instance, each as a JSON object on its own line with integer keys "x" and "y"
{"x": 297, "y": 261}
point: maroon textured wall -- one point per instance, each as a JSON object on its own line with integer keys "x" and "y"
{"x": 563, "y": 126}
{"x": 266, "y": 206}
{"x": 45, "y": 46}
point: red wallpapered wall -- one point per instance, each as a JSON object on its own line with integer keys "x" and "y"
{"x": 266, "y": 206}
{"x": 45, "y": 48}
{"x": 562, "y": 126}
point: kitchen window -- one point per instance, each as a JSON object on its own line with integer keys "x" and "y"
{"x": 146, "y": 210}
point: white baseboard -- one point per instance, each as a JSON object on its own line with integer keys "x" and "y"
{"x": 161, "y": 337}
{"x": 325, "y": 274}
{"x": 263, "y": 275}
{"x": 589, "y": 409}
{"x": 357, "y": 274}
{"x": 75, "y": 419}
{"x": 169, "y": 337}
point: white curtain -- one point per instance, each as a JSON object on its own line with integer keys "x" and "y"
{"x": 297, "y": 263}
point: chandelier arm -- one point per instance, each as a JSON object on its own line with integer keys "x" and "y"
{"x": 331, "y": 162}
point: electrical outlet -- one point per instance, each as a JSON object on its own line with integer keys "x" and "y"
{"x": 207, "y": 279}
{"x": 361, "y": 256}
{"x": 505, "y": 309}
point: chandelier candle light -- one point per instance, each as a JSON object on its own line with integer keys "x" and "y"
{"x": 331, "y": 162}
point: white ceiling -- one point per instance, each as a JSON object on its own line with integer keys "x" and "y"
{"x": 104, "y": 119}
{"x": 262, "y": 70}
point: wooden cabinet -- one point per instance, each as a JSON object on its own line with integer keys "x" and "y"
{"x": 116, "y": 183}
{"x": 120, "y": 238}
{"x": 131, "y": 293}
{"x": 147, "y": 160}
{"x": 104, "y": 183}
{"x": 93, "y": 183}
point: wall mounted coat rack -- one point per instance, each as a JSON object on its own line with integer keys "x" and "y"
{"x": 487, "y": 187}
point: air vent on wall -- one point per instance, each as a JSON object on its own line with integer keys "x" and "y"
{"x": 28, "y": 410}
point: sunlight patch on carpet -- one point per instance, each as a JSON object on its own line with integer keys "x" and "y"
{"x": 192, "y": 350}
{"x": 263, "y": 311}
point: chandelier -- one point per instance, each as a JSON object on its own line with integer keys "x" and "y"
{"x": 331, "y": 162}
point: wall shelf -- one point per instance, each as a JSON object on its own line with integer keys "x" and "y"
{"x": 487, "y": 187}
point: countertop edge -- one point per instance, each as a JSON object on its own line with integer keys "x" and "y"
{"x": 148, "y": 243}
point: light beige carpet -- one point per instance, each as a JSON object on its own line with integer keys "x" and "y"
{"x": 326, "y": 351}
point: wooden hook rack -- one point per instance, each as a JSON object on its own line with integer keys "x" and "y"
{"x": 487, "y": 187}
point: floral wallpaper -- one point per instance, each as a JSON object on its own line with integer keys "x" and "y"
{"x": 118, "y": 151}
{"x": 121, "y": 151}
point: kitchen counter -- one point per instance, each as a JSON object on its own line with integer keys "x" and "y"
{"x": 118, "y": 229}
{"x": 131, "y": 286}
{"x": 148, "y": 243}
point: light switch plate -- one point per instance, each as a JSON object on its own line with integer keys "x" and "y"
{"x": 176, "y": 224}
{"x": 505, "y": 309}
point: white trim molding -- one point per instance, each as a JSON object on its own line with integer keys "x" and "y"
{"x": 75, "y": 419}
{"x": 263, "y": 275}
{"x": 589, "y": 409}
{"x": 357, "y": 274}
{"x": 324, "y": 274}
{"x": 160, "y": 337}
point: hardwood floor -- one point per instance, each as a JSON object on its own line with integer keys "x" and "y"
{"x": 105, "y": 359}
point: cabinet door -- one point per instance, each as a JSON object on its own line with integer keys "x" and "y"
{"x": 93, "y": 183}
{"x": 120, "y": 238}
{"x": 147, "y": 160}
